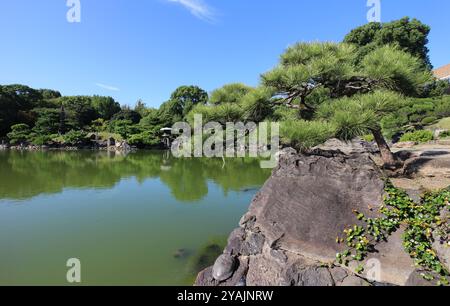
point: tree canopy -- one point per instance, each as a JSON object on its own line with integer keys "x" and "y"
{"x": 184, "y": 98}
{"x": 230, "y": 93}
{"x": 410, "y": 35}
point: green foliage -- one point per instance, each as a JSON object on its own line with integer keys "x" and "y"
{"x": 19, "y": 133}
{"x": 40, "y": 140}
{"x": 418, "y": 136}
{"x": 75, "y": 137}
{"x": 257, "y": 104}
{"x": 283, "y": 113}
{"x": 368, "y": 138}
{"x": 128, "y": 115}
{"x": 47, "y": 122}
{"x": 230, "y": 93}
{"x": 410, "y": 35}
{"x": 124, "y": 128}
{"x": 413, "y": 113}
{"x": 141, "y": 108}
{"x": 397, "y": 70}
{"x": 222, "y": 113}
{"x": 99, "y": 125}
{"x": 144, "y": 139}
{"x": 106, "y": 107}
{"x": 16, "y": 102}
{"x": 49, "y": 94}
{"x": 444, "y": 134}
{"x": 79, "y": 111}
{"x": 184, "y": 98}
{"x": 168, "y": 114}
{"x": 420, "y": 220}
{"x": 438, "y": 88}
{"x": 359, "y": 115}
{"x": 303, "y": 134}
{"x": 305, "y": 67}
{"x": 442, "y": 108}
{"x": 429, "y": 120}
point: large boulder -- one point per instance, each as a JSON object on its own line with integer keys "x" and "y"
{"x": 288, "y": 236}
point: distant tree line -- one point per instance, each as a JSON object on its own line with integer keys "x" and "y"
{"x": 377, "y": 82}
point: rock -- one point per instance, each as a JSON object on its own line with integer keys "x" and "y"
{"x": 204, "y": 278}
{"x": 353, "y": 281}
{"x": 279, "y": 256}
{"x": 295, "y": 270}
{"x": 289, "y": 233}
{"x": 351, "y": 147}
{"x": 235, "y": 242}
{"x": 405, "y": 144}
{"x": 427, "y": 167}
{"x": 253, "y": 244}
{"x": 416, "y": 280}
{"x": 294, "y": 213}
{"x": 224, "y": 267}
{"x": 338, "y": 274}
{"x": 309, "y": 276}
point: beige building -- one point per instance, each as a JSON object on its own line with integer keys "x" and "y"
{"x": 442, "y": 73}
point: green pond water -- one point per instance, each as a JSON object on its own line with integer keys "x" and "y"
{"x": 124, "y": 217}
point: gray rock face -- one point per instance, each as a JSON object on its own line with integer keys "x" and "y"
{"x": 309, "y": 201}
{"x": 224, "y": 267}
{"x": 288, "y": 236}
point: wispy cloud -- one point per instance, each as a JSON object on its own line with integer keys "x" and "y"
{"x": 198, "y": 8}
{"x": 107, "y": 87}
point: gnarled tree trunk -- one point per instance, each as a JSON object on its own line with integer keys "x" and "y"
{"x": 386, "y": 154}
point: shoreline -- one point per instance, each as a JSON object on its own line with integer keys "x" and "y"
{"x": 123, "y": 147}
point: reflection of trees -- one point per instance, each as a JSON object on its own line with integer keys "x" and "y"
{"x": 27, "y": 174}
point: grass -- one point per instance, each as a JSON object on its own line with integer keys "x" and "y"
{"x": 443, "y": 124}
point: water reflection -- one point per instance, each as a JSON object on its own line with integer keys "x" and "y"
{"x": 24, "y": 175}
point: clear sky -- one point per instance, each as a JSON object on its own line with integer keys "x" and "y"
{"x": 131, "y": 49}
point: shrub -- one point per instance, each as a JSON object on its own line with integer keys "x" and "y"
{"x": 444, "y": 134}
{"x": 75, "y": 137}
{"x": 417, "y": 136}
{"x": 144, "y": 139}
{"x": 19, "y": 133}
{"x": 429, "y": 120}
{"x": 443, "y": 107}
{"x": 40, "y": 140}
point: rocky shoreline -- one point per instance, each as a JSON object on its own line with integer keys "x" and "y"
{"x": 288, "y": 236}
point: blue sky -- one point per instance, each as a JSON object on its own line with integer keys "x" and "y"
{"x": 131, "y": 49}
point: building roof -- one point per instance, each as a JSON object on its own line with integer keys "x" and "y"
{"x": 443, "y": 72}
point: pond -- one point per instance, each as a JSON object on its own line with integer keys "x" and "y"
{"x": 141, "y": 219}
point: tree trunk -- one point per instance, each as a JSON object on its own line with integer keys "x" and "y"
{"x": 386, "y": 154}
